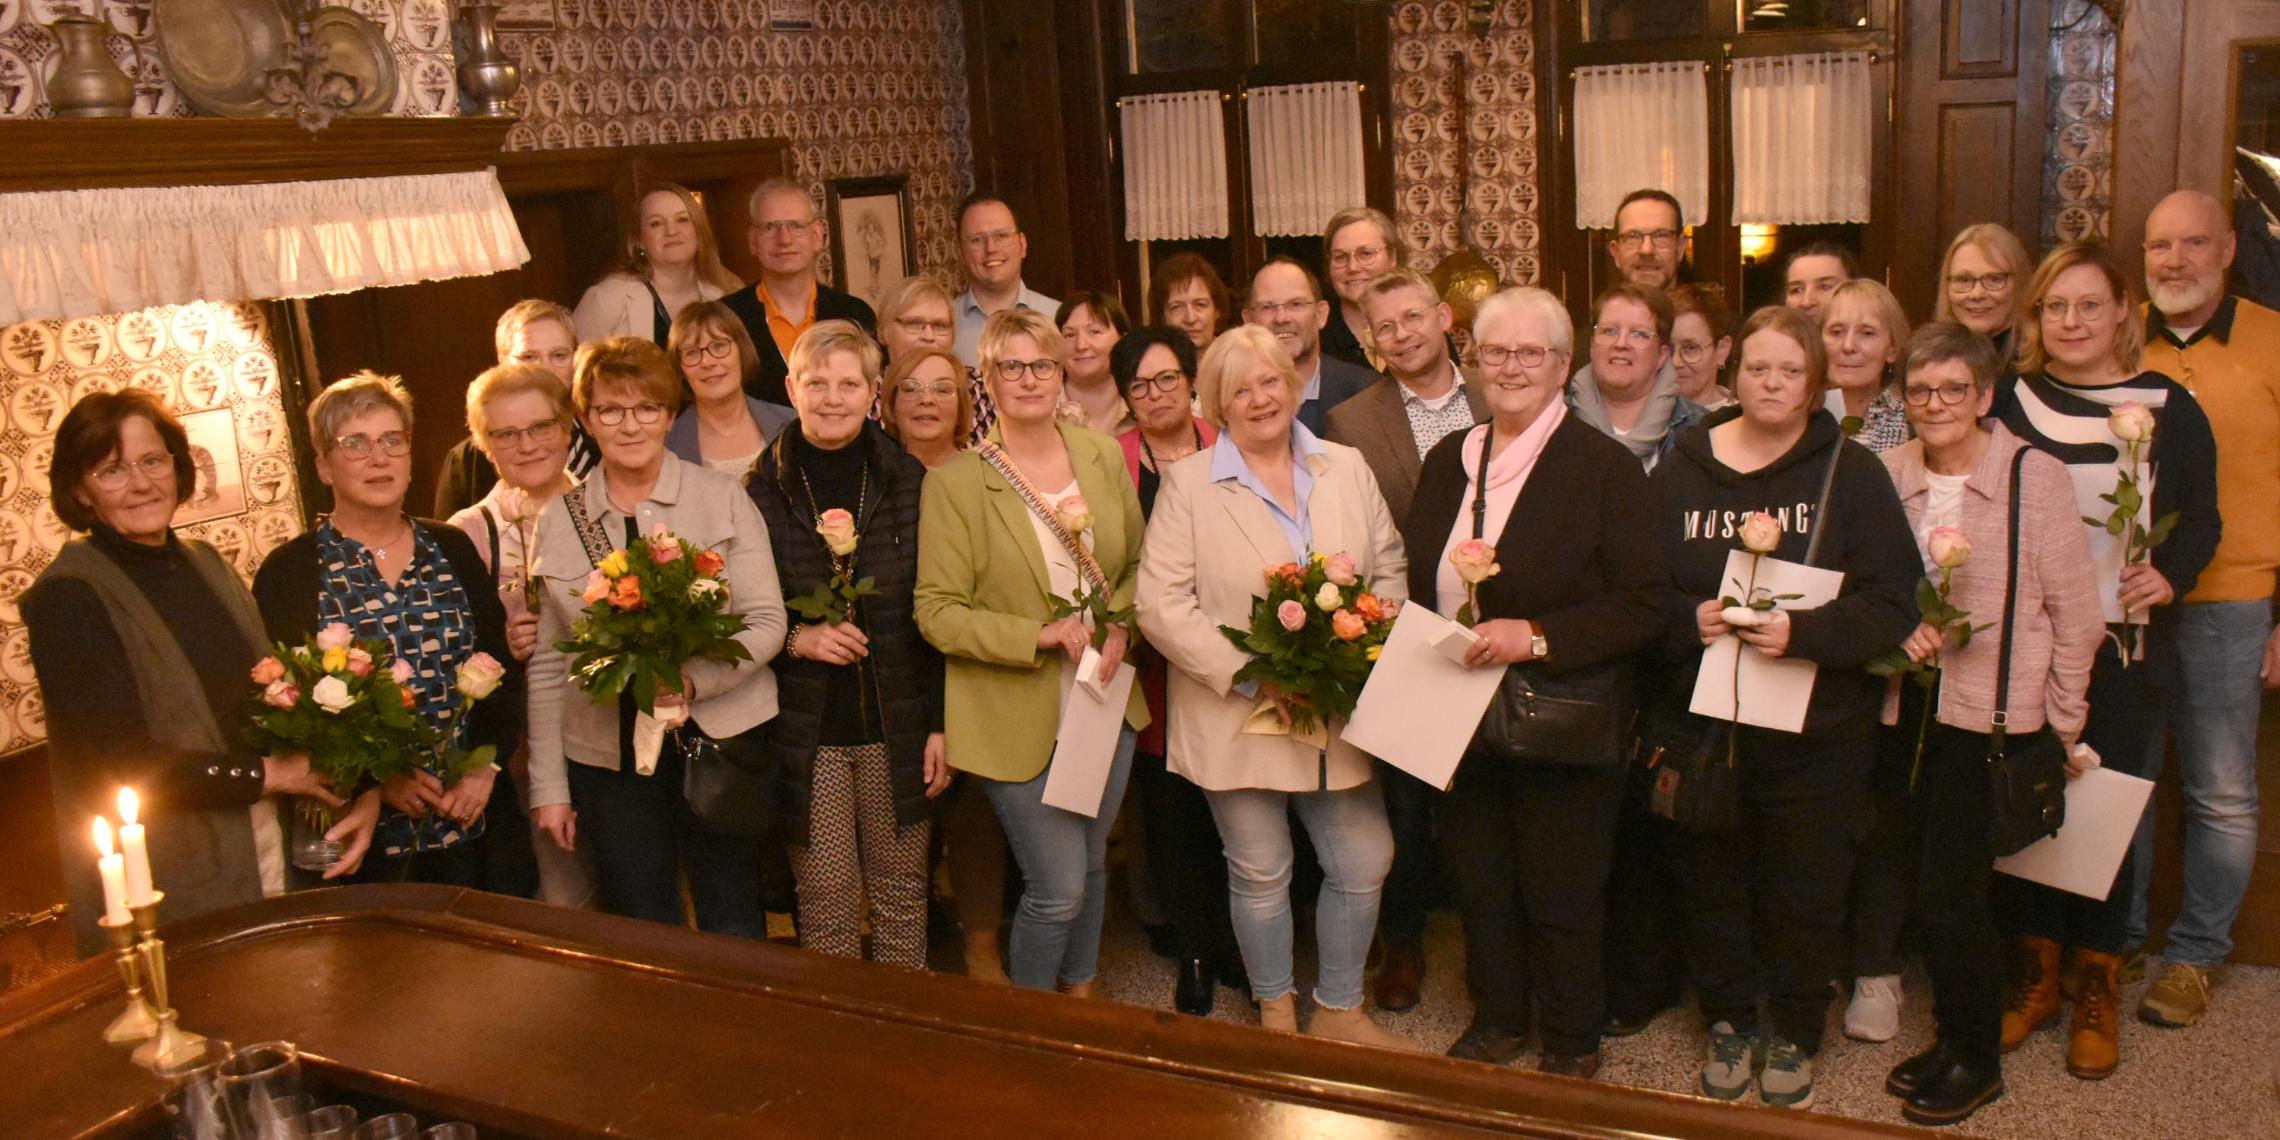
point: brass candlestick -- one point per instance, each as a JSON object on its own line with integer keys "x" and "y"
{"x": 171, "y": 1047}
{"x": 134, "y": 1023}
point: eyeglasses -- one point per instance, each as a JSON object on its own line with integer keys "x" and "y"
{"x": 546, "y": 359}
{"x": 1041, "y": 369}
{"x": 1169, "y": 380}
{"x": 718, "y": 349}
{"x": 793, "y": 229}
{"x": 1631, "y": 240}
{"x": 1270, "y": 310}
{"x": 1359, "y": 255}
{"x": 913, "y": 386}
{"x": 392, "y": 444}
{"x": 994, "y": 237}
{"x": 1690, "y": 352}
{"x": 2086, "y": 310}
{"x": 611, "y": 415}
{"x": 1920, "y": 395}
{"x": 157, "y": 466}
{"x": 1529, "y": 355}
{"x": 544, "y": 433}
{"x": 1612, "y": 335}
{"x": 1410, "y": 321}
{"x": 916, "y": 327}
{"x": 1963, "y": 284}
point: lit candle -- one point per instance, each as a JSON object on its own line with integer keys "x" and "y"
{"x": 135, "y": 848}
{"x": 114, "y": 869}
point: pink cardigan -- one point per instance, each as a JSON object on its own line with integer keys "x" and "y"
{"x": 1130, "y": 442}
{"x": 2058, "y": 624}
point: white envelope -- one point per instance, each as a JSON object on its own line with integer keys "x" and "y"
{"x": 1775, "y": 690}
{"x": 2102, "y": 812}
{"x": 1085, "y": 749}
{"x": 1419, "y": 708}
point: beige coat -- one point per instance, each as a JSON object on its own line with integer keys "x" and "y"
{"x": 1209, "y": 547}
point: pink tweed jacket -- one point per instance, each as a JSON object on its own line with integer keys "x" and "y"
{"x": 2058, "y": 624}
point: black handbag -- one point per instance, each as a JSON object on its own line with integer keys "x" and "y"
{"x": 1573, "y": 720}
{"x": 1683, "y": 763}
{"x": 2026, "y": 775}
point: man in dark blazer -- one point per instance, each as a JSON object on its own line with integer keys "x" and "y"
{"x": 1394, "y": 422}
{"x": 787, "y": 236}
{"x": 1286, "y": 300}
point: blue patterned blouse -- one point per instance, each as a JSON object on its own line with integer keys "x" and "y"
{"x": 424, "y": 615}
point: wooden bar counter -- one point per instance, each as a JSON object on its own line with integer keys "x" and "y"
{"x": 534, "y": 1022}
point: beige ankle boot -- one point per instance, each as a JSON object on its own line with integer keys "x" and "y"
{"x": 1280, "y": 1014}
{"x": 1356, "y": 1026}
{"x": 1077, "y": 989}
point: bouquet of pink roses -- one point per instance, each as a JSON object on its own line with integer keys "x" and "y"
{"x": 1314, "y": 635}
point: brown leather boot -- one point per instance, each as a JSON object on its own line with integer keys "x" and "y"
{"x": 1401, "y": 976}
{"x": 2094, "y": 1047}
{"x": 2033, "y": 1001}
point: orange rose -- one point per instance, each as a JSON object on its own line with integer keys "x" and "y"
{"x": 1288, "y": 572}
{"x": 626, "y": 594}
{"x": 1371, "y": 609}
{"x": 709, "y": 563}
{"x": 1347, "y": 625}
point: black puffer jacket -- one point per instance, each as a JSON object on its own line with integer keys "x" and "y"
{"x": 907, "y": 672}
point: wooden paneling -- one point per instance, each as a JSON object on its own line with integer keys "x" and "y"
{"x": 2149, "y": 87}
{"x": 1021, "y": 153}
{"x": 1969, "y": 132}
{"x": 81, "y": 154}
{"x": 1980, "y": 39}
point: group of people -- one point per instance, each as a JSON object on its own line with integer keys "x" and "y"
{"x": 1002, "y": 455}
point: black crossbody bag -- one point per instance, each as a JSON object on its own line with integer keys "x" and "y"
{"x": 2026, "y": 775}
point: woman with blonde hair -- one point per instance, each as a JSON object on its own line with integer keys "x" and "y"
{"x": 1982, "y": 287}
{"x": 1863, "y": 327}
{"x": 671, "y": 262}
{"x": 915, "y": 314}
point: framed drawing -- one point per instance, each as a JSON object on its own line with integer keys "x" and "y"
{"x": 219, "y": 488}
{"x": 525, "y": 16}
{"x": 791, "y": 15}
{"x": 871, "y": 240}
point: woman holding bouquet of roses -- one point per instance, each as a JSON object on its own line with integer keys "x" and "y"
{"x": 1954, "y": 480}
{"x": 1266, "y": 494}
{"x": 2082, "y": 397}
{"x": 422, "y": 587}
{"x": 1768, "y": 890}
{"x": 1527, "y": 846}
{"x": 587, "y": 783}
{"x": 142, "y": 641}
{"x": 519, "y": 418}
{"x": 859, "y": 692}
{"x": 1010, "y": 534}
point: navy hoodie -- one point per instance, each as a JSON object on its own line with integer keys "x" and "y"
{"x": 1701, "y": 504}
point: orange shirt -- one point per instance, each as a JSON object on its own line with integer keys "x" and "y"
{"x": 2229, "y": 365}
{"x": 784, "y": 332}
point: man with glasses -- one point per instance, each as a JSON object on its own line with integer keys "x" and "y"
{"x": 1394, "y": 422}
{"x": 1650, "y": 238}
{"x": 993, "y": 247}
{"x": 1287, "y": 301}
{"x": 2225, "y": 349}
{"x": 786, "y": 238}
{"x": 530, "y": 332}
{"x": 1629, "y": 390}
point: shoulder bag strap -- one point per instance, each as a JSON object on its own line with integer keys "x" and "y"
{"x": 1821, "y": 507}
{"x": 2002, "y": 718}
{"x": 1480, "y": 483}
{"x": 490, "y": 521}
{"x": 1002, "y": 463}
{"x": 589, "y": 529}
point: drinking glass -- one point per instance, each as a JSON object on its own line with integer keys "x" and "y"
{"x": 260, "y": 1084}
{"x": 197, "y": 1104}
{"x": 452, "y": 1131}
{"x": 332, "y": 1122}
{"x": 394, "y": 1126}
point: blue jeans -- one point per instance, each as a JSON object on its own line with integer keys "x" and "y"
{"x": 645, "y": 840}
{"x": 1355, "y": 846}
{"x": 1064, "y": 872}
{"x": 2220, "y": 655}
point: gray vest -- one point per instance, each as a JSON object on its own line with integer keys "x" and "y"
{"x": 203, "y": 858}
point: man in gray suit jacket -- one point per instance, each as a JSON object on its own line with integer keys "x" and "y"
{"x": 1286, "y": 300}
{"x": 1397, "y": 420}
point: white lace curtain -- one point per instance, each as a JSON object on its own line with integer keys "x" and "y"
{"x": 1175, "y": 166}
{"x": 1306, "y": 155}
{"x": 77, "y": 253}
{"x": 1640, "y": 125}
{"x": 1801, "y": 139}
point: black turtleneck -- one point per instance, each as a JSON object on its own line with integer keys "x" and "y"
{"x": 835, "y": 476}
{"x": 95, "y": 715}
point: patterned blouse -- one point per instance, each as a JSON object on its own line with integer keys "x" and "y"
{"x": 1883, "y": 426}
{"x": 425, "y": 617}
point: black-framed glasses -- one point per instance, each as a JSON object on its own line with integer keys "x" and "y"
{"x": 154, "y": 467}
{"x": 1965, "y": 284}
{"x": 1168, "y": 380}
{"x": 1529, "y": 355}
{"x": 1041, "y": 369}
{"x": 1631, "y": 240}
{"x": 389, "y": 443}
{"x": 544, "y": 433}
{"x": 1920, "y": 395}
{"x": 719, "y": 348}
{"x": 644, "y": 413}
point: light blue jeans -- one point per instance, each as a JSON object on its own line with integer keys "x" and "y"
{"x": 2220, "y": 652}
{"x": 1064, "y": 870}
{"x": 1356, "y": 850}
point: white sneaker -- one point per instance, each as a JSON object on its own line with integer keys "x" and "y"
{"x": 1874, "y": 1014}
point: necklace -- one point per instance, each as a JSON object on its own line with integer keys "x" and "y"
{"x": 1157, "y": 465}
{"x": 380, "y": 552}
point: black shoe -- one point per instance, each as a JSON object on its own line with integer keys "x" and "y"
{"x": 1164, "y": 941}
{"x": 1196, "y": 988}
{"x": 1234, "y": 976}
{"x": 1909, "y": 1075}
{"x": 1485, "y": 1042}
{"x": 1628, "y": 1024}
{"x": 1954, "y": 1093}
{"x": 1583, "y": 1067}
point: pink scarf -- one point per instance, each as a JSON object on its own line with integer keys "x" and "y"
{"x": 1507, "y": 474}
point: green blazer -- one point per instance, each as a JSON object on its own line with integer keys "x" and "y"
{"x": 982, "y": 596}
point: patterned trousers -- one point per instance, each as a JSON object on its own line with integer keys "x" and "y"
{"x": 854, "y": 850}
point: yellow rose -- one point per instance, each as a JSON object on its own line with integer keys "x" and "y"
{"x": 334, "y": 660}
{"x": 1373, "y": 651}
{"x": 614, "y": 565}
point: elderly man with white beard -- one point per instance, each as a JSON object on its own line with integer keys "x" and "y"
{"x": 2226, "y": 350}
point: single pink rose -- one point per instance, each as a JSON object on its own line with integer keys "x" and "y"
{"x": 400, "y": 671}
{"x": 597, "y": 588}
{"x": 281, "y": 694}
{"x": 1475, "y": 561}
{"x": 1761, "y": 533}
{"x": 334, "y": 636}
{"x": 268, "y": 671}
{"x": 1291, "y": 615}
{"x": 1348, "y": 625}
{"x": 359, "y": 661}
{"x": 1340, "y": 568}
{"x": 1947, "y": 547}
{"x": 664, "y": 548}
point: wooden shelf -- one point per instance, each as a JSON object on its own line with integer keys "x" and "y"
{"x": 85, "y": 154}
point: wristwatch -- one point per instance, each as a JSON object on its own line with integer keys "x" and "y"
{"x": 1537, "y": 647}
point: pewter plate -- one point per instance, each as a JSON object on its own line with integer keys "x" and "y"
{"x": 354, "y": 47}
{"x": 216, "y": 51}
